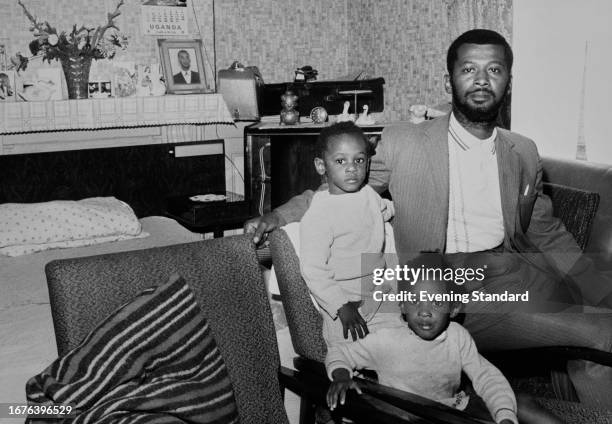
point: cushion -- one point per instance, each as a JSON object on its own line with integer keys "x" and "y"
{"x": 153, "y": 359}
{"x": 575, "y": 208}
{"x": 31, "y": 227}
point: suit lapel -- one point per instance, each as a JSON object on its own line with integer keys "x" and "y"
{"x": 436, "y": 149}
{"x": 509, "y": 169}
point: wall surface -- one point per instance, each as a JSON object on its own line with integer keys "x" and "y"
{"x": 404, "y": 41}
{"x": 279, "y": 36}
{"x": 552, "y": 73}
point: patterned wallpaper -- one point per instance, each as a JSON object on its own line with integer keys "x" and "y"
{"x": 404, "y": 41}
{"x": 279, "y": 36}
{"x": 62, "y": 14}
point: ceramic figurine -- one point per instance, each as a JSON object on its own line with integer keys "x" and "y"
{"x": 288, "y": 115}
{"x": 417, "y": 113}
{"x": 345, "y": 116}
{"x": 158, "y": 86}
{"x": 364, "y": 118}
{"x": 149, "y": 82}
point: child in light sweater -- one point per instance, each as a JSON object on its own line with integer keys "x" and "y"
{"x": 427, "y": 356}
{"x": 342, "y": 238}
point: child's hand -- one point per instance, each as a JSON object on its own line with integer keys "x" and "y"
{"x": 352, "y": 321}
{"x": 387, "y": 209}
{"x": 337, "y": 390}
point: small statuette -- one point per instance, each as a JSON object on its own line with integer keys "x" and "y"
{"x": 345, "y": 116}
{"x": 364, "y": 118}
{"x": 288, "y": 115}
{"x": 417, "y": 113}
{"x": 318, "y": 115}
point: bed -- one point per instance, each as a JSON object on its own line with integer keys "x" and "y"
{"x": 27, "y": 342}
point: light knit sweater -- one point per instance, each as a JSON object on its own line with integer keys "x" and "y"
{"x": 335, "y": 233}
{"x": 431, "y": 369}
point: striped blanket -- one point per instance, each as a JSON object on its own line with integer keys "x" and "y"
{"x": 153, "y": 360}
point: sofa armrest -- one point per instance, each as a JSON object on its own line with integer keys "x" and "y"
{"x": 592, "y": 177}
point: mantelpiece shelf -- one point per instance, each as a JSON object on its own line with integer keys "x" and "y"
{"x": 29, "y": 127}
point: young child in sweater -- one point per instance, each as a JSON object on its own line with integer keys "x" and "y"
{"x": 342, "y": 238}
{"x": 427, "y": 356}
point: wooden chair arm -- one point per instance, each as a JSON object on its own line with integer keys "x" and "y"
{"x": 431, "y": 411}
{"x": 360, "y": 408}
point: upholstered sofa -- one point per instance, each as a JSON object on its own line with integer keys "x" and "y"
{"x": 596, "y": 178}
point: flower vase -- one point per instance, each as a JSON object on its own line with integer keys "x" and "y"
{"x": 76, "y": 71}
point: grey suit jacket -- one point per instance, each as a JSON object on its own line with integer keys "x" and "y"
{"x": 411, "y": 161}
{"x": 180, "y": 79}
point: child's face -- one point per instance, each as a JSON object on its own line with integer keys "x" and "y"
{"x": 428, "y": 318}
{"x": 345, "y": 164}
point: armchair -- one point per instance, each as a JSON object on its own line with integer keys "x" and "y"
{"x": 305, "y": 325}
{"x": 227, "y": 283}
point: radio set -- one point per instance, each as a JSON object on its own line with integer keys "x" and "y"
{"x": 241, "y": 88}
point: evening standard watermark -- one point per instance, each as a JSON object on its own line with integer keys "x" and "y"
{"x": 484, "y": 282}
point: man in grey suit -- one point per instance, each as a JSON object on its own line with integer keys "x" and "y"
{"x": 186, "y": 75}
{"x": 464, "y": 187}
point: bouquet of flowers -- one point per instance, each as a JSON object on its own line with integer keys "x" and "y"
{"x": 84, "y": 42}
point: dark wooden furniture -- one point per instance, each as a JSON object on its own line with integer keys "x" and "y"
{"x": 280, "y": 161}
{"x": 207, "y": 217}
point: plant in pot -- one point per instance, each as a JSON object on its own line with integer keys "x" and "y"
{"x": 75, "y": 50}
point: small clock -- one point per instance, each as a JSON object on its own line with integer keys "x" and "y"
{"x": 318, "y": 115}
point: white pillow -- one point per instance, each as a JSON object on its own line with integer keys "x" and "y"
{"x": 32, "y": 227}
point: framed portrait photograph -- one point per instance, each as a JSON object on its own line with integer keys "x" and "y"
{"x": 183, "y": 66}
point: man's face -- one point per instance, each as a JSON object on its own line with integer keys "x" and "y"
{"x": 184, "y": 60}
{"x": 480, "y": 81}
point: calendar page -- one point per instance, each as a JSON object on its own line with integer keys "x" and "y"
{"x": 163, "y": 17}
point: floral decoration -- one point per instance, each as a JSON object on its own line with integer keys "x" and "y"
{"x": 95, "y": 43}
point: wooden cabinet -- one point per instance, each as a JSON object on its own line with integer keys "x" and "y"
{"x": 288, "y": 161}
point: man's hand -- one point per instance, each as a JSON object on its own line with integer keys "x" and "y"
{"x": 341, "y": 384}
{"x": 260, "y": 226}
{"x": 352, "y": 321}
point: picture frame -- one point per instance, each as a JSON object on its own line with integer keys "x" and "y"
{"x": 101, "y": 89}
{"x": 8, "y": 91}
{"x": 52, "y": 79}
{"x": 123, "y": 79}
{"x": 4, "y": 61}
{"x": 183, "y": 66}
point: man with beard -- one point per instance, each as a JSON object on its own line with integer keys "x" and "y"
{"x": 466, "y": 188}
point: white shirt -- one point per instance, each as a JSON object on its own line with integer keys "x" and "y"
{"x": 475, "y": 220}
{"x": 187, "y": 76}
